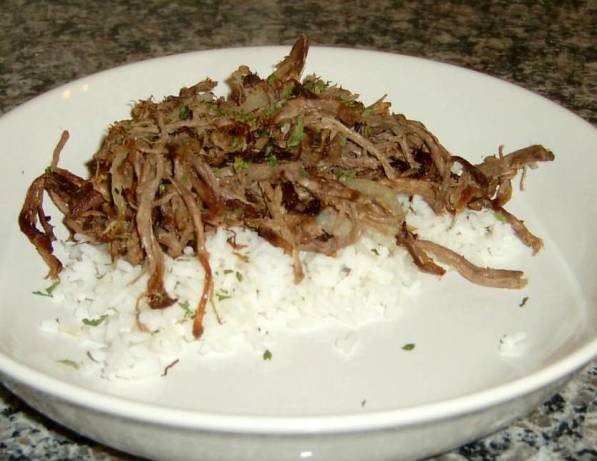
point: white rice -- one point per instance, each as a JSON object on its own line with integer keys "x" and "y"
{"x": 101, "y": 304}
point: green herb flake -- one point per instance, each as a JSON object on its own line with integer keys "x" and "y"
{"x": 48, "y": 291}
{"x": 95, "y": 322}
{"x": 228, "y": 271}
{"x": 69, "y": 363}
{"x": 267, "y": 355}
{"x": 48, "y": 169}
{"x": 500, "y": 217}
{"x": 524, "y": 301}
{"x": 52, "y": 287}
{"x": 316, "y": 86}
{"x": 242, "y": 257}
{"x": 240, "y": 164}
{"x": 214, "y": 109}
{"x": 236, "y": 143}
{"x": 184, "y": 112}
{"x": 161, "y": 188}
{"x": 287, "y": 91}
{"x": 368, "y": 111}
{"x": 239, "y": 276}
{"x": 271, "y": 79}
{"x": 188, "y": 312}
{"x": 408, "y": 347}
{"x": 343, "y": 174}
{"x": 272, "y": 108}
{"x": 268, "y": 111}
{"x": 222, "y": 295}
{"x": 245, "y": 117}
{"x": 375, "y": 251}
{"x": 270, "y": 156}
{"x": 272, "y": 160}
{"x": 297, "y": 134}
{"x": 220, "y": 112}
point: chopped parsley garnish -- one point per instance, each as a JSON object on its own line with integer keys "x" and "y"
{"x": 223, "y": 294}
{"x": 267, "y": 355}
{"x": 217, "y": 110}
{"x": 52, "y": 287}
{"x": 316, "y": 86}
{"x": 184, "y": 112}
{"x": 48, "y": 291}
{"x": 245, "y": 117}
{"x": 368, "y": 111}
{"x": 95, "y": 322}
{"x": 236, "y": 143}
{"x": 240, "y": 164}
{"x": 242, "y": 257}
{"x": 271, "y": 79}
{"x": 69, "y": 363}
{"x": 524, "y": 301}
{"x": 500, "y": 217}
{"x": 271, "y": 159}
{"x": 272, "y": 108}
{"x": 48, "y": 169}
{"x": 188, "y": 312}
{"x": 288, "y": 91}
{"x": 408, "y": 347}
{"x": 297, "y": 134}
{"x": 237, "y": 274}
{"x": 343, "y": 174}
{"x": 375, "y": 251}
{"x": 270, "y": 156}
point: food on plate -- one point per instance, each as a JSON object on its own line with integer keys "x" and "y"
{"x": 303, "y": 163}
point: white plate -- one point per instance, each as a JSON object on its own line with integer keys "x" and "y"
{"x": 308, "y": 402}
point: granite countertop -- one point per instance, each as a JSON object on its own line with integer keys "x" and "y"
{"x": 549, "y": 47}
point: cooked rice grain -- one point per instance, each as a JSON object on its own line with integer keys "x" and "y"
{"x": 102, "y": 306}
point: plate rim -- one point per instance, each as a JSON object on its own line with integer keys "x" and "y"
{"x": 261, "y": 424}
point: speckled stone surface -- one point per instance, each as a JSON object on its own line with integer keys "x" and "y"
{"x": 549, "y": 47}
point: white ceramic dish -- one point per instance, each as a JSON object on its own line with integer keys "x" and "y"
{"x": 308, "y": 402}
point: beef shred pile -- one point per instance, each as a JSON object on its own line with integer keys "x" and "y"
{"x": 303, "y": 163}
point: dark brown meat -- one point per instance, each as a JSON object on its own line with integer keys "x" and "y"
{"x": 149, "y": 181}
{"x": 303, "y": 163}
{"x": 42, "y": 240}
{"x": 417, "y": 253}
{"x": 497, "y": 278}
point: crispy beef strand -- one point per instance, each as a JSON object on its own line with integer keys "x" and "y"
{"x": 303, "y": 163}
